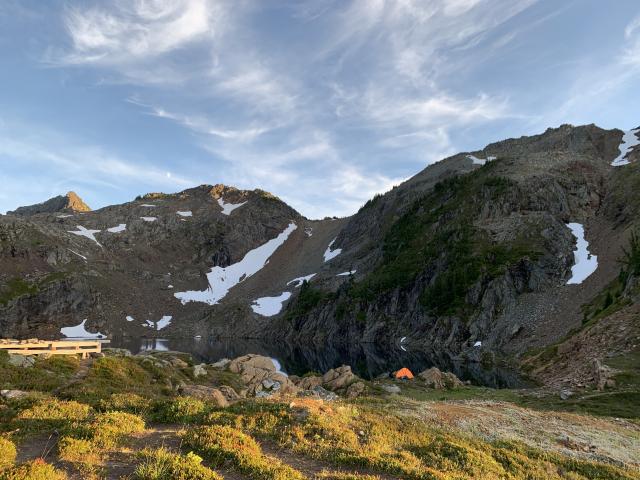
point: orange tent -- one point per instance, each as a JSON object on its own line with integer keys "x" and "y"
{"x": 404, "y": 373}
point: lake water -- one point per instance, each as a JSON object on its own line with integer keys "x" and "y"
{"x": 367, "y": 360}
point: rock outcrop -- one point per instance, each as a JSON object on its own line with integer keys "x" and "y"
{"x": 69, "y": 203}
{"x": 434, "y": 378}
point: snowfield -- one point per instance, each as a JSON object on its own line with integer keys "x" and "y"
{"x": 331, "y": 254}
{"x": 629, "y": 141}
{"x": 79, "y": 331}
{"x": 585, "y": 263}
{"x": 227, "y": 208}
{"x": 344, "y": 274}
{"x": 120, "y": 228}
{"x": 149, "y": 219}
{"x": 269, "y": 306}
{"x": 83, "y": 232}
{"x": 187, "y": 213}
{"x": 480, "y": 161}
{"x": 160, "y": 324}
{"x": 221, "y": 280}
{"x": 300, "y": 280}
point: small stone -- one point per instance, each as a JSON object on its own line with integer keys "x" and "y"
{"x": 391, "y": 388}
{"x": 13, "y": 394}
{"x": 221, "y": 364}
{"x": 23, "y": 361}
{"x": 199, "y": 370}
{"x": 565, "y": 394}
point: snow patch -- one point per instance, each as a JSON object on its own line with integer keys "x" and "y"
{"x": 221, "y": 280}
{"x": 79, "y": 331}
{"x": 403, "y": 339}
{"x": 344, "y": 274}
{"x": 76, "y": 253}
{"x": 160, "y": 324}
{"x": 330, "y": 254}
{"x": 477, "y": 344}
{"x": 83, "y": 232}
{"x": 269, "y": 306}
{"x": 585, "y": 263}
{"x": 308, "y": 231}
{"x": 629, "y": 141}
{"x": 300, "y": 280}
{"x": 481, "y": 161}
{"x": 129, "y": 318}
{"x": 120, "y": 228}
{"x": 148, "y": 205}
{"x": 227, "y": 208}
{"x": 65, "y": 215}
{"x": 187, "y": 213}
{"x": 149, "y": 219}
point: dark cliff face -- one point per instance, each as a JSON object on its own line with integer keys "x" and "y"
{"x": 464, "y": 253}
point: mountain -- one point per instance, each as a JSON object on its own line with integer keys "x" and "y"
{"x": 70, "y": 203}
{"x": 472, "y": 258}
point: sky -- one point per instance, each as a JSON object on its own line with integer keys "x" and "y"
{"x": 321, "y": 102}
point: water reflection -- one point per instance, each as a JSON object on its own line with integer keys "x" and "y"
{"x": 367, "y": 360}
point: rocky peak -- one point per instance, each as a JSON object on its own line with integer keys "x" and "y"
{"x": 69, "y": 202}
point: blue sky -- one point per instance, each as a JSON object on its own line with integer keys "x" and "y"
{"x": 322, "y": 102}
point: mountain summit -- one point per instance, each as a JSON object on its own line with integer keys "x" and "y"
{"x": 70, "y": 202}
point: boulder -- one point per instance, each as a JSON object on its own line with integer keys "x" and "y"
{"x": 434, "y": 378}
{"x": 258, "y": 362}
{"x": 13, "y": 394}
{"x": 202, "y": 392}
{"x": 355, "y": 390}
{"x": 602, "y": 375}
{"x": 229, "y": 393}
{"x": 307, "y": 383}
{"x": 221, "y": 364}
{"x": 318, "y": 393}
{"x": 178, "y": 362}
{"x": 338, "y": 378}
{"x": 23, "y": 361}
{"x": 199, "y": 370}
{"x": 116, "y": 352}
{"x": 391, "y": 388}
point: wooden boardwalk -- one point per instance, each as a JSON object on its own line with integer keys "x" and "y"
{"x": 33, "y": 346}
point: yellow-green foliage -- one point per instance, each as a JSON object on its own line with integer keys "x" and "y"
{"x": 7, "y": 453}
{"x": 222, "y": 444}
{"x": 46, "y": 374}
{"x": 344, "y": 476}
{"x": 180, "y": 409}
{"x": 78, "y": 450}
{"x": 35, "y": 470}
{"x": 369, "y": 437}
{"x": 126, "y": 402}
{"x": 51, "y": 413}
{"x": 108, "y": 428}
{"x": 163, "y": 465}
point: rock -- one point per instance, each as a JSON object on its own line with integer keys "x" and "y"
{"x": 338, "y": 378}
{"x": 221, "y": 364}
{"x": 434, "y": 378}
{"x": 565, "y": 394}
{"x": 391, "y": 388}
{"x": 23, "y": 361}
{"x": 319, "y": 393}
{"x": 264, "y": 394}
{"x": 383, "y": 376}
{"x": 355, "y": 390}
{"x": 229, "y": 393}
{"x": 205, "y": 393}
{"x": 13, "y": 394}
{"x": 254, "y": 361}
{"x": 178, "y": 362}
{"x": 307, "y": 383}
{"x": 602, "y": 375}
{"x": 199, "y": 370}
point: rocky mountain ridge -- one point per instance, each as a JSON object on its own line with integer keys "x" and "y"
{"x": 470, "y": 258}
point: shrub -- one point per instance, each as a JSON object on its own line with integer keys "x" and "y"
{"x": 77, "y": 450}
{"x": 109, "y": 427}
{"x": 126, "y": 402}
{"x": 51, "y": 413}
{"x": 7, "y": 453}
{"x": 35, "y": 470}
{"x": 163, "y": 465}
{"x": 180, "y": 409}
{"x": 222, "y": 444}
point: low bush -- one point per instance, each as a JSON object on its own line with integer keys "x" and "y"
{"x": 35, "y": 470}
{"x": 7, "y": 453}
{"x": 179, "y": 410}
{"x": 108, "y": 428}
{"x": 221, "y": 444}
{"x": 161, "y": 464}
{"x": 77, "y": 450}
{"x": 51, "y": 413}
{"x": 126, "y": 402}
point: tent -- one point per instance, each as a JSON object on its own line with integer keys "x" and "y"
{"x": 404, "y": 373}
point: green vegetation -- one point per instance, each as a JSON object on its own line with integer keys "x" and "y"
{"x": 18, "y": 287}
{"x": 35, "y": 470}
{"x": 436, "y": 235}
{"x": 307, "y": 299}
{"x": 222, "y": 444}
{"x": 162, "y": 464}
{"x": 46, "y": 375}
{"x": 7, "y": 453}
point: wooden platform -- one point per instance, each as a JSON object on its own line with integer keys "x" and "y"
{"x": 33, "y": 346}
